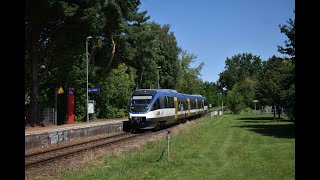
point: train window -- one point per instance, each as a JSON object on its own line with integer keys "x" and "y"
{"x": 168, "y": 102}
{"x": 161, "y": 99}
{"x": 171, "y": 102}
{"x": 185, "y": 104}
{"x": 156, "y": 105}
{"x": 166, "y": 105}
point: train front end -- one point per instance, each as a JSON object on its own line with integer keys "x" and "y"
{"x": 141, "y": 115}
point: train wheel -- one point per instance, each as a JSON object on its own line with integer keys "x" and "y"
{"x": 158, "y": 127}
{"x": 134, "y": 131}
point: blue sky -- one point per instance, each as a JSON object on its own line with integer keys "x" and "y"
{"x": 216, "y": 29}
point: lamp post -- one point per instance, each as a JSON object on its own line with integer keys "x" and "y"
{"x": 220, "y": 97}
{"x": 223, "y": 90}
{"x": 221, "y": 104}
{"x": 158, "y": 68}
{"x": 89, "y": 37}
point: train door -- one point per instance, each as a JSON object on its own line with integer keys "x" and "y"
{"x": 196, "y": 106}
{"x": 175, "y": 107}
{"x": 202, "y": 106}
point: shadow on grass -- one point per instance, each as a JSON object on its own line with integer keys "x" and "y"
{"x": 258, "y": 118}
{"x": 263, "y": 119}
{"x": 275, "y": 130}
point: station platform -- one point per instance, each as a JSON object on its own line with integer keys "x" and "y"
{"x": 39, "y": 136}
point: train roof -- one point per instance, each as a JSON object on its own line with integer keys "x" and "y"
{"x": 166, "y": 92}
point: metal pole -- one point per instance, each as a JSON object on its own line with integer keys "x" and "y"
{"x": 55, "y": 106}
{"x": 89, "y": 37}
{"x": 168, "y": 138}
{"x": 219, "y": 112}
{"x": 87, "y": 78}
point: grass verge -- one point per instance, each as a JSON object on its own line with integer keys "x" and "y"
{"x": 222, "y": 147}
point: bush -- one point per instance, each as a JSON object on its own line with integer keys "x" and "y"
{"x": 121, "y": 113}
{"x": 108, "y": 112}
{"x": 79, "y": 117}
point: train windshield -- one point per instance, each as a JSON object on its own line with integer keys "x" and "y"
{"x": 140, "y": 103}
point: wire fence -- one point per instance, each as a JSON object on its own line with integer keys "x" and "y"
{"x": 42, "y": 116}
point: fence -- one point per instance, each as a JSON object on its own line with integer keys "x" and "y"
{"x": 43, "y": 116}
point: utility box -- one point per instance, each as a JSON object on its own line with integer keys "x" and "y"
{"x": 70, "y": 107}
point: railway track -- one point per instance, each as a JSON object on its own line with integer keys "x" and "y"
{"x": 40, "y": 158}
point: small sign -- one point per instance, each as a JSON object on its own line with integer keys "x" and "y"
{"x": 71, "y": 91}
{"x": 60, "y": 91}
{"x": 94, "y": 90}
{"x": 91, "y": 106}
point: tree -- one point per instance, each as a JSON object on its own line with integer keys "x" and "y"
{"x": 115, "y": 92}
{"x": 211, "y": 92}
{"x": 290, "y": 44}
{"x": 168, "y": 55}
{"x": 241, "y": 96}
{"x": 144, "y": 55}
{"x": 33, "y": 32}
{"x": 121, "y": 16}
{"x": 288, "y": 92}
{"x": 235, "y": 100}
{"x": 238, "y": 68}
{"x": 55, "y": 33}
{"x": 148, "y": 47}
{"x": 188, "y": 81}
{"x": 271, "y": 82}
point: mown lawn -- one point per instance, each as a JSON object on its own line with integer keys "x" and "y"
{"x": 222, "y": 147}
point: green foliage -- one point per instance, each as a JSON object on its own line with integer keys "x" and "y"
{"x": 276, "y": 85}
{"x": 149, "y": 46}
{"x": 270, "y": 81}
{"x": 108, "y": 111}
{"x": 188, "y": 81}
{"x": 211, "y": 92}
{"x": 247, "y": 110}
{"x": 168, "y": 55}
{"x": 290, "y": 44}
{"x": 238, "y": 68}
{"x": 288, "y": 100}
{"x": 288, "y": 85}
{"x": 121, "y": 113}
{"x": 246, "y": 89}
{"x": 79, "y": 117}
{"x": 115, "y": 91}
{"x": 124, "y": 53}
{"x": 235, "y": 100}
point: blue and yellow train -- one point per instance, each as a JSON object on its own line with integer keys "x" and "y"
{"x": 156, "y": 108}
